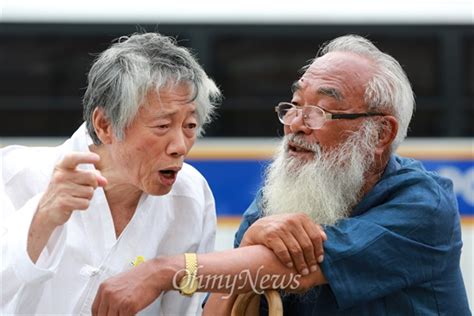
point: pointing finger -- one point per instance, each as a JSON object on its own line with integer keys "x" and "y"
{"x": 71, "y": 160}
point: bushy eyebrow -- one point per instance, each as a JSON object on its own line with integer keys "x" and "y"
{"x": 327, "y": 91}
{"x": 331, "y": 92}
{"x": 295, "y": 86}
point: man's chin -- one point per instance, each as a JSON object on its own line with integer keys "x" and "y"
{"x": 295, "y": 161}
{"x": 159, "y": 190}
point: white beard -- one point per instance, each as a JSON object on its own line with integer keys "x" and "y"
{"x": 325, "y": 188}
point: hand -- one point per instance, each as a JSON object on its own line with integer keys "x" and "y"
{"x": 294, "y": 238}
{"x": 69, "y": 188}
{"x": 128, "y": 292}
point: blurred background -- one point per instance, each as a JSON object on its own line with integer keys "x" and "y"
{"x": 253, "y": 50}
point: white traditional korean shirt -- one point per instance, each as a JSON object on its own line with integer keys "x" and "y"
{"x": 84, "y": 252}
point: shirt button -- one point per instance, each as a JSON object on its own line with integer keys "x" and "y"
{"x": 89, "y": 271}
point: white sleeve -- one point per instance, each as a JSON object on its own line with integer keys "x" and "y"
{"x": 206, "y": 245}
{"x": 209, "y": 225}
{"x": 22, "y": 280}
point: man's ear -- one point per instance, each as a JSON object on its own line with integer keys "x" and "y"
{"x": 102, "y": 126}
{"x": 387, "y": 133}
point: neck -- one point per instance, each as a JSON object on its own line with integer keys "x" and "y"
{"x": 122, "y": 203}
{"x": 375, "y": 173}
{"x": 122, "y": 198}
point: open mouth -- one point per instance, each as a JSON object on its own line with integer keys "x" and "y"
{"x": 168, "y": 176}
{"x": 168, "y": 173}
{"x": 298, "y": 149}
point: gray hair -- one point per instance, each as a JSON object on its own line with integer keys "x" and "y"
{"x": 122, "y": 75}
{"x": 389, "y": 90}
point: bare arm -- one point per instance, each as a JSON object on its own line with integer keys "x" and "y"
{"x": 294, "y": 238}
{"x": 242, "y": 270}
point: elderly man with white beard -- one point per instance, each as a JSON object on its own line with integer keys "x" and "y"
{"x": 369, "y": 232}
{"x": 392, "y": 228}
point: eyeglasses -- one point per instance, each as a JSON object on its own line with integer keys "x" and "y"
{"x": 314, "y": 117}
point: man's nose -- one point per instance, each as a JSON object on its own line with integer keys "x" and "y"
{"x": 177, "y": 146}
{"x": 298, "y": 125}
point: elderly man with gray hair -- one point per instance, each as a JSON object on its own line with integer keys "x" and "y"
{"x": 356, "y": 228}
{"x": 393, "y": 229}
{"x": 118, "y": 191}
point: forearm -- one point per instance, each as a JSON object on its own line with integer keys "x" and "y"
{"x": 253, "y": 268}
{"x": 38, "y": 235}
{"x": 236, "y": 271}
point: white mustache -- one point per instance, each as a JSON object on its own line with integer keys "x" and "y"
{"x": 301, "y": 142}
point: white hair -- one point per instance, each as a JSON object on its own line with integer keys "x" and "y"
{"x": 389, "y": 90}
{"x": 122, "y": 75}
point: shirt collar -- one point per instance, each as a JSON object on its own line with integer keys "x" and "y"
{"x": 370, "y": 198}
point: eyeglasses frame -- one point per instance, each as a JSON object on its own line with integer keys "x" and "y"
{"x": 327, "y": 115}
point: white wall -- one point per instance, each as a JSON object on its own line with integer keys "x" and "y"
{"x": 243, "y": 11}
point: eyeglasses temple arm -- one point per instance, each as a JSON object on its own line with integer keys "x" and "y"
{"x": 354, "y": 115}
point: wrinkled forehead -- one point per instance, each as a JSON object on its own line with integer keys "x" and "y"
{"x": 344, "y": 62}
{"x": 182, "y": 91}
{"x": 346, "y": 71}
